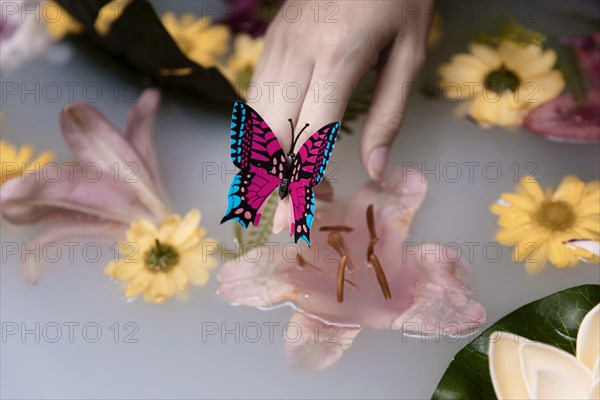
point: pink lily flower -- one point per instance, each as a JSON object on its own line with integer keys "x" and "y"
{"x": 115, "y": 181}
{"x": 563, "y": 119}
{"x": 360, "y": 273}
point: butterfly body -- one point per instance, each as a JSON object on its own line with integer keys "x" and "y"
{"x": 265, "y": 167}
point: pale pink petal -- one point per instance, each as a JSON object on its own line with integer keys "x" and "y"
{"x": 562, "y": 119}
{"x": 76, "y": 193}
{"x": 312, "y": 345}
{"x": 324, "y": 190}
{"x": 440, "y": 299}
{"x": 140, "y": 122}
{"x": 95, "y": 141}
{"x": 62, "y": 232}
{"x": 282, "y": 219}
{"x": 256, "y": 279}
{"x": 395, "y": 199}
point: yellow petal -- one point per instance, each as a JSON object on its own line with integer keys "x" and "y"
{"x": 523, "y": 202}
{"x": 168, "y": 227}
{"x": 514, "y": 219}
{"x": 560, "y": 255}
{"x": 510, "y": 236}
{"x": 496, "y": 109}
{"x": 530, "y": 245}
{"x": 139, "y": 284}
{"x": 486, "y": 54}
{"x": 517, "y": 57}
{"x": 535, "y": 263}
{"x": 541, "y": 89}
{"x": 162, "y": 288}
{"x": 124, "y": 270}
{"x": 529, "y": 185}
{"x": 544, "y": 63}
{"x": 186, "y": 228}
{"x": 198, "y": 275}
{"x": 180, "y": 278}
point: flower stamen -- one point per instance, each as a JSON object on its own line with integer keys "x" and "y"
{"x": 372, "y": 258}
{"x": 302, "y": 263}
{"x": 501, "y": 79}
{"x": 340, "y": 279}
{"x": 555, "y": 215}
{"x": 161, "y": 258}
{"x": 336, "y": 228}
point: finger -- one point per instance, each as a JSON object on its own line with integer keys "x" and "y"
{"x": 389, "y": 101}
{"x": 279, "y": 73}
{"x": 331, "y": 85}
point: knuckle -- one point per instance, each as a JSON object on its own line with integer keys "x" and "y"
{"x": 389, "y": 122}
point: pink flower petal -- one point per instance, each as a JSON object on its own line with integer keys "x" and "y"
{"x": 29, "y": 199}
{"x": 440, "y": 300}
{"x": 312, "y": 345}
{"x": 63, "y": 231}
{"x": 140, "y": 122}
{"x": 563, "y": 120}
{"x": 254, "y": 280}
{"x": 427, "y": 283}
{"x": 94, "y": 140}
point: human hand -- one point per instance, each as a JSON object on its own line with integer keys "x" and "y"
{"x": 315, "y": 54}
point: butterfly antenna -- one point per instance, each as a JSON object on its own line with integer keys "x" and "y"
{"x": 294, "y": 141}
{"x": 291, "y": 128}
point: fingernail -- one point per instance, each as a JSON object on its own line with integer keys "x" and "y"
{"x": 377, "y": 161}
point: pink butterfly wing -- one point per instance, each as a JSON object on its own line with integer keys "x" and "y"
{"x": 257, "y": 153}
{"x": 308, "y": 169}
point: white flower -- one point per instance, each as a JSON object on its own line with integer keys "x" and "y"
{"x": 23, "y": 33}
{"x": 524, "y": 369}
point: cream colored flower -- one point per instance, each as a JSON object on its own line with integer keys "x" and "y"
{"x": 552, "y": 225}
{"x": 501, "y": 84}
{"x": 15, "y": 162}
{"x": 160, "y": 261}
{"x": 240, "y": 65}
{"x": 200, "y": 40}
{"x": 523, "y": 369}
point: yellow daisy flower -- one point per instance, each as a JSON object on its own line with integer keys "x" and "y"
{"x": 59, "y": 22}
{"x": 160, "y": 261}
{"x": 541, "y": 225}
{"x": 502, "y": 84}
{"x": 200, "y": 40}
{"x": 239, "y": 67}
{"x": 108, "y": 15}
{"x": 15, "y": 162}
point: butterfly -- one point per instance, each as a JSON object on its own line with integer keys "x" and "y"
{"x": 264, "y": 166}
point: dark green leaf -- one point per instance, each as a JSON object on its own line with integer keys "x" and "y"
{"x": 553, "y": 320}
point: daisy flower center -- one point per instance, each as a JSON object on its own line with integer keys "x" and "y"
{"x": 555, "y": 215}
{"x": 161, "y": 258}
{"x": 501, "y": 79}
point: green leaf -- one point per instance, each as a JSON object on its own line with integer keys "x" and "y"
{"x": 513, "y": 32}
{"x": 358, "y": 104}
{"x": 553, "y": 320}
{"x": 256, "y": 236}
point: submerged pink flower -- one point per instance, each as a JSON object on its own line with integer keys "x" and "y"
{"x": 360, "y": 273}
{"x": 114, "y": 182}
{"x": 563, "y": 119}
